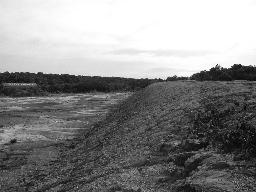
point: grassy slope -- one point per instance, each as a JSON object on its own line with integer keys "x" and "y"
{"x": 141, "y": 147}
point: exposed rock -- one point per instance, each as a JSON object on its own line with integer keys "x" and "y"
{"x": 220, "y": 165}
{"x": 166, "y": 148}
{"x": 218, "y": 162}
{"x": 193, "y": 145}
{"x": 211, "y": 181}
{"x": 180, "y": 158}
{"x": 213, "y": 172}
{"x": 172, "y": 175}
{"x": 3, "y": 156}
{"x": 193, "y": 162}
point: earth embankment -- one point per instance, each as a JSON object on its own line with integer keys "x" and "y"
{"x": 149, "y": 143}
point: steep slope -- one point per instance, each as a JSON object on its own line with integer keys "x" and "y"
{"x": 146, "y": 145}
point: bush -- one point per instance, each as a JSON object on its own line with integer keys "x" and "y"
{"x": 227, "y": 123}
{"x": 176, "y": 78}
{"x": 12, "y": 141}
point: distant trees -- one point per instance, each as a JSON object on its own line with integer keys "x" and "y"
{"x": 176, "y": 78}
{"x": 21, "y": 91}
{"x": 65, "y": 83}
{"x": 218, "y": 73}
{"x": 55, "y": 83}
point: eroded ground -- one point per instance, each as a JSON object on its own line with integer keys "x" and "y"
{"x": 39, "y": 125}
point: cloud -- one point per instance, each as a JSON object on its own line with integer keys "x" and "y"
{"x": 162, "y": 52}
{"x": 73, "y": 65}
{"x": 102, "y": 37}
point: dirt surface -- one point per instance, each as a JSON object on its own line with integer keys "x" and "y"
{"x": 32, "y": 129}
{"x": 52, "y": 118}
{"x": 144, "y": 146}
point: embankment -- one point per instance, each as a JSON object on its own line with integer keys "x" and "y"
{"x": 149, "y": 143}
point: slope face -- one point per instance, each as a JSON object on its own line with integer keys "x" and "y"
{"x": 145, "y": 145}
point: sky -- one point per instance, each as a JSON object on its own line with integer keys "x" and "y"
{"x": 127, "y": 38}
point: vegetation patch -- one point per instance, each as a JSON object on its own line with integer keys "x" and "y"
{"x": 227, "y": 122}
{"x": 65, "y": 83}
{"x": 22, "y": 91}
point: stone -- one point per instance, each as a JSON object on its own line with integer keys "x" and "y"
{"x": 193, "y": 145}
{"x": 179, "y": 159}
{"x": 3, "y": 156}
{"x": 193, "y": 162}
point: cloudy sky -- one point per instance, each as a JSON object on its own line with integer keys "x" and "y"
{"x": 130, "y": 38}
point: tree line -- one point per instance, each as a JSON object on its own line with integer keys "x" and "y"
{"x": 218, "y": 73}
{"x": 235, "y": 72}
{"x": 65, "y": 83}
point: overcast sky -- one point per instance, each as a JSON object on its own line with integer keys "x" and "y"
{"x": 130, "y": 38}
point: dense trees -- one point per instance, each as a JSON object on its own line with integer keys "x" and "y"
{"x": 218, "y": 73}
{"x": 176, "y": 78}
{"x": 55, "y": 83}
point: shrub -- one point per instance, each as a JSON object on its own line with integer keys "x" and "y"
{"x": 227, "y": 123}
{"x": 12, "y": 141}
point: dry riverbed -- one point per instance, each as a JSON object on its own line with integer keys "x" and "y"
{"x": 33, "y": 128}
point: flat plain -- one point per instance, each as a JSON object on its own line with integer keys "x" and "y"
{"x": 32, "y": 128}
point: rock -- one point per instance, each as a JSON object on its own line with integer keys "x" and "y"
{"x": 193, "y": 144}
{"x": 184, "y": 188}
{"x": 180, "y": 158}
{"x": 3, "y": 156}
{"x": 121, "y": 189}
{"x": 218, "y": 162}
{"x": 220, "y": 165}
{"x": 166, "y": 148}
{"x": 12, "y": 141}
{"x": 211, "y": 181}
{"x": 173, "y": 175}
{"x": 208, "y": 171}
{"x": 193, "y": 162}
{"x": 239, "y": 157}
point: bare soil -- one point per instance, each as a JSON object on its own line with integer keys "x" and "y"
{"x": 33, "y": 129}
